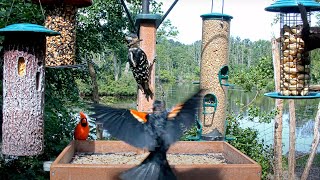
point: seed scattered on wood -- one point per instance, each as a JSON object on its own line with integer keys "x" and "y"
{"x": 135, "y": 159}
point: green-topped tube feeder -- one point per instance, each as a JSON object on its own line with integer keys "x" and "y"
{"x": 23, "y": 88}
{"x": 295, "y": 60}
{"x": 214, "y": 56}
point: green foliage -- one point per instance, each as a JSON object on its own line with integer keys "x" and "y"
{"x": 176, "y": 61}
{"x": 19, "y": 11}
{"x": 165, "y": 76}
{"x": 247, "y": 142}
{"x": 125, "y": 86}
{"x": 258, "y": 77}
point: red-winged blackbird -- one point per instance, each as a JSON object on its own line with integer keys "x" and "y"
{"x": 139, "y": 64}
{"x": 156, "y": 132}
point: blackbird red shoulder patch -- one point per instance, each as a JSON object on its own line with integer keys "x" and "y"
{"x": 174, "y": 112}
{"x": 140, "y": 116}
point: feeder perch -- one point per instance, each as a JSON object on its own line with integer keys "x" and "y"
{"x": 209, "y": 100}
{"x": 223, "y": 76}
{"x": 295, "y": 60}
{"x": 61, "y": 17}
{"x": 23, "y": 88}
{"x": 198, "y": 132}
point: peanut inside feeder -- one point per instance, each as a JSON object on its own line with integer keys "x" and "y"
{"x": 61, "y": 17}
{"x": 295, "y": 61}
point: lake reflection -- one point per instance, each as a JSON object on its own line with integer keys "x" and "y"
{"x": 305, "y": 113}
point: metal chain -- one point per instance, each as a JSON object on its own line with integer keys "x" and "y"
{"x": 9, "y": 13}
{"x": 42, "y": 11}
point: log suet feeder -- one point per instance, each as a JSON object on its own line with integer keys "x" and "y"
{"x": 295, "y": 60}
{"x": 61, "y": 17}
{"x": 213, "y": 72}
{"x": 23, "y": 88}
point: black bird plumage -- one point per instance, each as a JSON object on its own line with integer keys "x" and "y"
{"x": 155, "y": 132}
{"x": 139, "y": 64}
{"x": 310, "y": 35}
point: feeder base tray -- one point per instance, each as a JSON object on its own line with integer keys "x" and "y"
{"x": 238, "y": 165}
{"x": 311, "y": 95}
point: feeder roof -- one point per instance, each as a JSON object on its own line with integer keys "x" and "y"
{"x": 216, "y": 16}
{"x": 148, "y": 17}
{"x": 291, "y": 6}
{"x": 26, "y": 27}
{"x": 77, "y": 3}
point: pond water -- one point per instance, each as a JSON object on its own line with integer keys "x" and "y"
{"x": 305, "y": 112}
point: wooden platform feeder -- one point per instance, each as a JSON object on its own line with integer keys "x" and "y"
{"x": 147, "y": 27}
{"x": 61, "y": 17}
{"x": 213, "y": 77}
{"x": 238, "y": 166}
{"x": 295, "y": 60}
{"x": 23, "y": 88}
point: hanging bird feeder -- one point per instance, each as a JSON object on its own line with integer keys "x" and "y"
{"x": 23, "y": 88}
{"x": 295, "y": 58}
{"x": 61, "y": 17}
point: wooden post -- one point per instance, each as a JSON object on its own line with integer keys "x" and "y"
{"x": 148, "y": 29}
{"x": 292, "y": 139}
{"x": 99, "y": 131}
{"x": 314, "y": 146}
{"x": 278, "y": 119}
{"x": 23, "y": 89}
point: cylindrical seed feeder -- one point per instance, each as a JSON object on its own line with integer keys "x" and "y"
{"x": 23, "y": 88}
{"x": 61, "y": 17}
{"x": 214, "y": 56}
{"x": 295, "y": 60}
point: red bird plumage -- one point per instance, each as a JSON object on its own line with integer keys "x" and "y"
{"x": 82, "y": 130}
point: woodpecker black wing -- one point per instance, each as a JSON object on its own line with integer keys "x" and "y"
{"x": 140, "y": 67}
{"x": 127, "y": 125}
{"x": 181, "y": 118}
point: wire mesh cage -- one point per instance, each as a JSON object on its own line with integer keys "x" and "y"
{"x": 294, "y": 60}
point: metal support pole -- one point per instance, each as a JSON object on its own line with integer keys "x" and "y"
{"x": 145, "y": 6}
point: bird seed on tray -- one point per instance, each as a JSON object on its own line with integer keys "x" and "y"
{"x": 135, "y": 159}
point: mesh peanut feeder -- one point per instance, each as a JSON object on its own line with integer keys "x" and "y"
{"x": 61, "y": 17}
{"x": 295, "y": 60}
{"x": 23, "y": 88}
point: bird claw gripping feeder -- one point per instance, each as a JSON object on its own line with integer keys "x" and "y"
{"x": 61, "y": 17}
{"x": 295, "y": 57}
{"x": 23, "y": 88}
{"x": 214, "y": 72}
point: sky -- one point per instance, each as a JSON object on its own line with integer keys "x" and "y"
{"x": 250, "y": 20}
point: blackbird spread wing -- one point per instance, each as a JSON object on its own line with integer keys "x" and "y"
{"x": 181, "y": 118}
{"x": 127, "y": 125}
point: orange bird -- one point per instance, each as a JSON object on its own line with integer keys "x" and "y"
{"x": 82, "y": 129}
